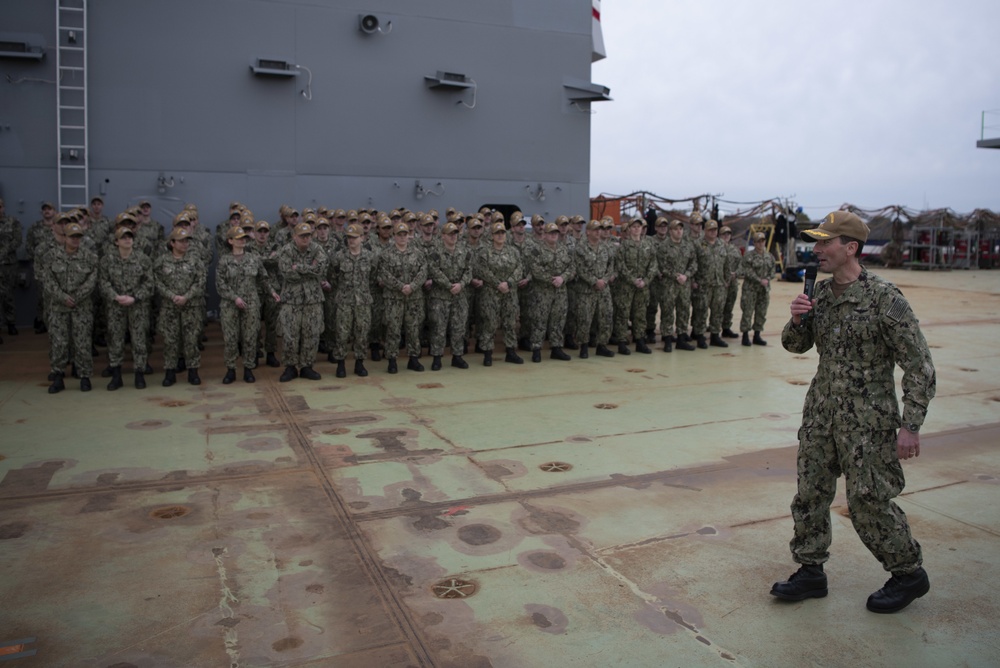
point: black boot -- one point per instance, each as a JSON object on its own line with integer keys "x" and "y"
{"x": 330, "y": 358}
{"x": 536, "y": 355}
{"x": 571, "y": 343}
{"x": 193, "y": 377}
{"x": 273, "y": 361}
{"x": 650, "y": 336}
{"x": 116, "y": 378}
{"x": 309, "y": 373}
{"x": 229, "y": 377}
{"x": 376, "y": 352}
{"x": 583, "y": 352}
{"x": 488, "y": 358}
{"x": 392, "y": 365}
{"x": 807, "y": 582}
{"x": 458, "y": 362}
{"x": 684, "y": 342}
{"x": 181, "y": 364}
{"x": 558, "y": 353}
{"x": 728, "y": 333}
{"x": 248, "y": 376}
{"x": 341, "y": 369}
{"x": 107, "y": 371}
{"x": 757, "y": 340}
{"x": 604, "y": 351}
{"x": 746, "y": 339}
{"x": 140, "y": 380}
{"x": 359, "y": 368}
{"x": 668, "y": 344}
{"x": 436, "y": 364}
{"x": 899, "y": 592}
{"x": 169, "y": 377}
{"x": 623, "y": 348}
{"x": 702, "y": 343}
{"x": 290, "y": 373}
{"x": 57, "y": 383}
{"x": 717, "y": 341}
{"x": 414, "y": 364}
{"x": 524, "y": 344}
{"x": 513, "y": 357}
{"x": 85, "y": 384}
{"x": 641, "y": 347}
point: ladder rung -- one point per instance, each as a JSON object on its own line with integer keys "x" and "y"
{"x": 71, "y": 69}
{"x": 72, "y": 88}
{"x": 73, "y": 146}
{"x": 70, "y": 9}
{"x": 71, "y": 48}
{"x": 72, "y": 127}
{"x": 68, "y": 106}
{"x": 72, "y": 167}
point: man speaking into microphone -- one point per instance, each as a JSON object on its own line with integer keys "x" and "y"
{"x": 862, "y": 327}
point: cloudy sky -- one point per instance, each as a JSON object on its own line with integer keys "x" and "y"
{"x": 871, "y": 102}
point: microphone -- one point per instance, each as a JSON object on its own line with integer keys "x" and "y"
{"x": 810, "y": 286}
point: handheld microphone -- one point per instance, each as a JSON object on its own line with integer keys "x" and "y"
{"x": 810, "y": 286}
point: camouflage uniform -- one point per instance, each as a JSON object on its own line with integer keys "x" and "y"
{"x": 376, "y": 333}
{"x": 70, "y": 275}
{"x": 657, "y": 289}
{"x": 351, "y": 278}
{"x": 269, "y": 308}
{"x": 593, "y": 306}
{"x": 180, "y": 326}
{"x": 404, "y": 314}
{"x": 132, "y": 276}
{"x": 754, "y": 301}
{"x": 634, "y": 260}
{"x": 10, "y": 241}
{"x": 675, "y": 258}
{"x": 496, "y": 308}
{"x": 549, "y": 305}
{"x": 851, "y": 415}
{"x": 242, "y": 276}
{"x": 448, "y": 311}
{"x": 732, "y": 284}
{"x": 526, "y": 248}
{"x": 713, "y": 268}
{"x": 39, "y": 235}
{"x": 301, "y": 312}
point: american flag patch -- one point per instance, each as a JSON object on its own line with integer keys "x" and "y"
{"x": 896, "y": 310}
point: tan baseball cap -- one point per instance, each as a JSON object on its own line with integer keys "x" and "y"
{"x": 74, "y": 230}
{"x": 838, "y": 224}
{"x": 302, "y": 228}
{"x": 180, "y": 233}
{"x": 353, "y": 230}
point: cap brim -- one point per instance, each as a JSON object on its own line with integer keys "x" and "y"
{"x": 816, "y": 235}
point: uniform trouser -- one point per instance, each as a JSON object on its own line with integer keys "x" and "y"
{"x": 376, "y": 333}
{"x": 301, "y": 326}
{"x": 753, "y": 303}
{"x": 715, "y": 299}
{"x": 329, "y": 320}
{"x": 353, "y": 324}
{"x": 448, "y": 316}
{"x": 403, "y": 316}
{"x": 569, "y": 328}
{"x": 873, "y": 476}
{"x": 180, "y": 329}
{"x": 630, "y": 303}
{"x": 101, "y": 308}
{"x": 656, "y": 297}
{"x": 593, "y": 307}
{"x": 549, "y": 315}
{"x": 475, "y": 297}
{"x": 497, "y": 309}
{"x": 699, "y": 310}
{"x": 134, "y": 321}
{"x": 731, "y": 291}
{"x": 8, "y": 274}
{"x": 269, "y": 317}
{"x": 41, "y": 306}
{"x": 240, "y": 329}
{"x": 71, "y": 328}
{"x": 675, "y": 309}
{"x": 525, "y": 296}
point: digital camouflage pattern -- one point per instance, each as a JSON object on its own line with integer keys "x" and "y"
{"x": 593, "y": 306}
{"x": 132, "y": 277}
{"x": 498, "y": 309}
{"x": 404, "y": 314}
{"x": 549, "y": 304}
{"x": 634, "y": 260}
{"x": 180, "y": 325}
{"x": 448, "y": 312}
{"x": 244, "y": 277}
{"x": 713, "y": 268}
{"x": 732, "y": 284}
{"x": 301, "y": 315}
{"x": 73, "y": 277}
{"x": 351, "y": 278}
{"x": 754, "y": 301}
{"x": 10, "y": 240}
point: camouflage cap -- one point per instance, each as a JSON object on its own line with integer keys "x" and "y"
{"x": 322, "y": 222}
{"x": 62, "y": 219}
{"x": 537, "y": 219}
{"x": 353, "y": 230}
{"x": 400, "y": 227}
{"x": 476, "y": 223}
{"x": 262, "y": 225}
{"x": 662, "y": 222}
{"x": 340, "y": 213}
{"x": 179, "y": 233}
{"x": 365, "y": 218}
{"x": 182, "y": 219}
{"x": 676, "y": 223}
{"x": 593, "y": 225}
{"x": 484, "y": 210}
{"x": 409, "y": 217}
{"x": 497, "y": 227}
{"x": 301, "y": 229}
{"x": 428, "y": 219}
{"x": 236, "y": 233}
{"x": 450, "y": 211}
{"x": 516, "y": 218}
{"x": 122, "y": 231}
{"x": 308, "y": 210}
{"x": 725, "y": 229}
{"x": 577, "y": 220}
{"x": 562, "y": 220}
{"x": 74, "y": 230}
{"x": 124, "y": 218}
{"x": 711, "y": 225}
{"x": 838, "y": 224}
{"x": 550, "y": 227}
{"x": 384, "y": 223}
{"x": 449, "y": 228}
{"x": 309, "y": 217}
{"x": 352, "y": 215}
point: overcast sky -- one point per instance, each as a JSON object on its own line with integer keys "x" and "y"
{"x": 871, "y": 102}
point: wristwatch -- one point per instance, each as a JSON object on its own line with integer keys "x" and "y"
{"x": 912, "y": 427}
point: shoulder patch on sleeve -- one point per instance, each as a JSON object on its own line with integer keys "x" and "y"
{"x": 897, "y": 309}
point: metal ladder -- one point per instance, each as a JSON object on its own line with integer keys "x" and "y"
{"x": 71, "y": 103}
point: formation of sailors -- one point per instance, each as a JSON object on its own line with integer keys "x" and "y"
{"x": 365, "y": 284}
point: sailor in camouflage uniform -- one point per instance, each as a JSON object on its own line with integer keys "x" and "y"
{"x": 126, "y": 284}
{"x": 677, "y": 262}
{"x": 551, "y": 267}
{"x": 402, "y": 272}
{"x": 241, "y": 280}
{"x": 498, "y": 268}
{"x": 635, "y": 267}
{"x": 710, "y": 282}
{"x": 39, "y": 235}
{"x": 180, "y": 276}
{"x": 757, "y": 270}
{"x": 267, "y": 249}
{"x": 862, "y": 327}
{"x": 302, "y": 264}
{"x": 449, "y": 268}
{"x": 732, "y": 281}
{"x": 69, "y": 279}
{"x": 350, "y": 273}
{"x": 10, "y": 240}
{"x": 592, "y": 286}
